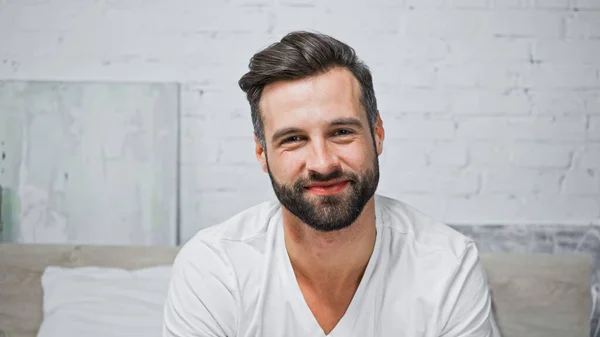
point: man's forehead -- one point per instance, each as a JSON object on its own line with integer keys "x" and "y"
{"x": 337, "y": 89}
{"x": 338, "y": 77}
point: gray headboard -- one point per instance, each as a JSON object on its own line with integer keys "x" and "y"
{"x": 534, "y": 294}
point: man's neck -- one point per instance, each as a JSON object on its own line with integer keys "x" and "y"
{"x": 331, "y": 261}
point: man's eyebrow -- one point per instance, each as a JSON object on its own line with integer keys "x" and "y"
{"x": 284, "y": 132}
{"x": 348, "y": 121}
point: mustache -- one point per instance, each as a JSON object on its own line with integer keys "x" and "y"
{"x": 318, "y": 177}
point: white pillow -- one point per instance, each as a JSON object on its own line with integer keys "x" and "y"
{"x": 103, "y": 302}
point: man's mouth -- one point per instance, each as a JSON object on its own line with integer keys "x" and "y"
{"x": 327, "y": 187}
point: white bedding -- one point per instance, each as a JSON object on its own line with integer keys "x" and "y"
{"x": 103, "y": 302}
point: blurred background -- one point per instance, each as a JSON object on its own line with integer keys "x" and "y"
{"x": 121, "y": 122}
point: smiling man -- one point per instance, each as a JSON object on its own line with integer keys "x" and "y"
{"x": 331, "y": 257}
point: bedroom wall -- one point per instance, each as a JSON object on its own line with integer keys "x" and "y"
{"x": 491, "y": 107}
{"x": 88, "y": 163}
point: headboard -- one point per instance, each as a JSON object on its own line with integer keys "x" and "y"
{"x": 534, "y": 294}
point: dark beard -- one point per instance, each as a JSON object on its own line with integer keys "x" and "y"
{"x": 331, "y": 212}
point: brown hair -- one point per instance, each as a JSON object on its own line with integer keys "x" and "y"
{"x": 299, "y": 55}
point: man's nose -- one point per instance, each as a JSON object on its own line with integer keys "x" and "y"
{"x": 322, "y": 159}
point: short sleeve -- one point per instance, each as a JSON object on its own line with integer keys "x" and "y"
{"x": 202, "y": 296}
{"x": 467, "y": 305}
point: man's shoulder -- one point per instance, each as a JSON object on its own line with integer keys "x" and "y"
{"x": 244, "y": 225}
{"x": 212, "y": 247}
{"x": 423, "y": 230}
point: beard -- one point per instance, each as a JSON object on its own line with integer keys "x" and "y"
{"x": 330, "y": 212}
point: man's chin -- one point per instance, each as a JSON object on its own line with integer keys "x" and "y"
{"x": 327, "y": 201}
{"x": 324, "y": 226}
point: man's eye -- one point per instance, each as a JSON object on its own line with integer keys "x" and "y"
{"x": 342, "y": 132}
{"x": 291, "y": 139}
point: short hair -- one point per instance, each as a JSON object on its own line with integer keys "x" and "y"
{"x": 299, "y": 55}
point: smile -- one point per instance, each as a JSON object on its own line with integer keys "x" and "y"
{"x": 327, "y": 188}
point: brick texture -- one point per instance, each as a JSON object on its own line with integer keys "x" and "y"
{"x": 491, "y": 108}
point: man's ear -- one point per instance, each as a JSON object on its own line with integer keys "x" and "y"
{"x": 260, "y": 154}
{"x": 379, "y": 133}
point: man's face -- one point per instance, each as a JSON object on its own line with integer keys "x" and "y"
{"x": 322, "y": 157}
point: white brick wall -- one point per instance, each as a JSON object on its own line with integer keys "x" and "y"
{"x": 491, "y": 107}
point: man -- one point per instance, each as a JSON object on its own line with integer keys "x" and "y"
{"x": 331, "y": 258}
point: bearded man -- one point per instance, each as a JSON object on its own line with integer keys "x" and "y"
{"x": 330, "y": 257}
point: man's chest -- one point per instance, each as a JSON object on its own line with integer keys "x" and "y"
{"x": 327, "y": 307}
{"x": 379, "y": 311}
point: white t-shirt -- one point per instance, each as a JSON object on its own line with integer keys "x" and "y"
{"x": 235, "y": 279}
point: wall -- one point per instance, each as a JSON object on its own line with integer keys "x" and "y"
{"x": 491, "y": 108}
{"x": 88, "y": 163}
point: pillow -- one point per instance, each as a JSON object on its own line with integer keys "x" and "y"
{"x": 103, "y": 302}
